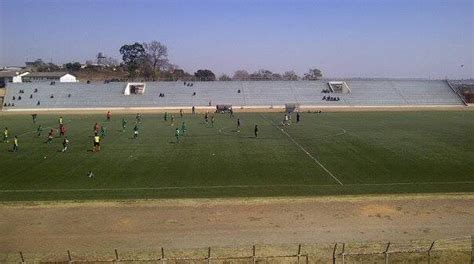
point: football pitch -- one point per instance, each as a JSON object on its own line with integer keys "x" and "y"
{"x": 324, "y": 154}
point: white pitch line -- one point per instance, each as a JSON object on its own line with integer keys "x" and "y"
{"x": 305, "y": 151}
{"x": 235, "y": 187}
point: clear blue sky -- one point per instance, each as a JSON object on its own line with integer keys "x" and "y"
{"x": 359, "y": 38}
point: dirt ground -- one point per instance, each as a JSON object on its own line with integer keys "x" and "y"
{"x": 149, "y": 224}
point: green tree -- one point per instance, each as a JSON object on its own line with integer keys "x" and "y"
{"x": 133, "y": 56}
{"x": 205, "y": 75}
{"x": 72, "y": 66}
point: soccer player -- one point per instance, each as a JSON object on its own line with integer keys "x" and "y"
{"x": 96, "y": 128}
{"x": 34, "y": 116}
{"x": 181, "y": 113}
{"x": 109, "y": 115}
{"x": 62, "y": 130}
{"x": 15, "y": 144}
{"x": 183, "y": 128}
{"x": 213, "y": 119}
{"x": 139, "y": 118}
{"x": 172, "y": 120}
{"x": 5, "y": 135}
{"x": 285, "y": 121}
{"x": 206, "y": 118}
{"x": 50, "y": 136}
{"x": 255, "y": 131}
{"x": 238, "y": 125}
{"x": 60, "y": 121}
{"x": 193, "y": 110}
{"x": 297, "y": 117}
{"x": 231, "y": 113}
{"x": 103, "y": 131}
{"x": 96, "y": 143}
{"x": 135, "y": 131}
{"x": 124, "y": 124}
{"x": 177, "y": 135}
{"x": 166, "y": 116}
{"x": 39, "y": 130}
{"x": 65, "y": 144}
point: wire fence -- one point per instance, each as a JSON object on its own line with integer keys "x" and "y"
{"x": 455, "y": 250}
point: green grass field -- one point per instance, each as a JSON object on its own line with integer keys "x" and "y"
{"x": 325, "y": 154}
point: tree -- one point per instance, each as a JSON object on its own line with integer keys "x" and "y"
{"x": 156, "y": 55}
{"x": 133, "y": 57}
{"x": 276, "y": 77}
{"x": 290, "y": 76}
{"x": 178, "y": 74}
{"x": 52, "y": 67}
{"x": 261, "y": 75}
{"x": 72, "y": 66}
{"x": 224, "y": 77}
{"x": 166, "y": 76}
{"x": 205, "y": 75}
{"x": 241, "y": 75}
{"x": 313, "y": 74}
{"x": 41, "y": 66}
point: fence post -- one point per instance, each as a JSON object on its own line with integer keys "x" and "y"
{"x": 299, "y": 253}
{"x": 253, "y": 255}
{"x": 69, "y": 256}
{"x": 334, "y": 254}
{"x": 386, "y": 253}
{"x": 116, "y": 255}
{"x": 162, "y": 255}
{"x": 343, "y": 253}
{"x": 209, "y": 255}
{"x": 22, "y": 258}
{"x": 429, "y": 252}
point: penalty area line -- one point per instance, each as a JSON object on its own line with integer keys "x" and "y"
{"x": 305, "y": 151}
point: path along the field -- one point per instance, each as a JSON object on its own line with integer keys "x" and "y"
{"x": 137, "y": 227}
{"x": 328, "y": 153}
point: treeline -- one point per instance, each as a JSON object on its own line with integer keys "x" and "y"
{"x": 266, "y": 75}
{"x": 149, "y": 61}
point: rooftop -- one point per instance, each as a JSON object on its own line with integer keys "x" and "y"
{"x": 47, "y": 74}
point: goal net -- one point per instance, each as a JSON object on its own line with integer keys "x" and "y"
{"x": 134, "y": 88}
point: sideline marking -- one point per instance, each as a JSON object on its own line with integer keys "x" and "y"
{"x": 303, "y": 149}
{"x": 235, "y": 186}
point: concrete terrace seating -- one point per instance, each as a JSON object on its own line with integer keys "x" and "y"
{"x": 253, "y": 93}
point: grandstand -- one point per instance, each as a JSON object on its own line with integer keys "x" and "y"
{"x": 245, "y": 94}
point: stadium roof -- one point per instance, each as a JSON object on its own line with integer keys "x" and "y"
{"x": 4, "y": 74}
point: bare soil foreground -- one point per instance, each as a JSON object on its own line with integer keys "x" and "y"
{"x": 141, "y": 226}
